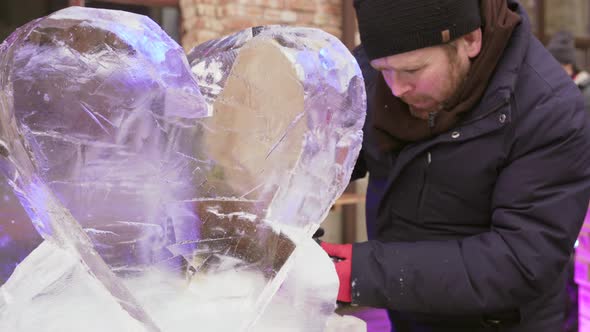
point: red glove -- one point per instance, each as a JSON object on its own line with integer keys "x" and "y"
{"x": 342, "y": 256}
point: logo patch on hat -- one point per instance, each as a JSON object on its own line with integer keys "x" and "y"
{"x": 445, "y": 35}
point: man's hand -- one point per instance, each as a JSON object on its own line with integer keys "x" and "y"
{"x": 341, "y": 254}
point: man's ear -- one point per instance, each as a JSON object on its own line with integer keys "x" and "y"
{"x": 473, "y": 43}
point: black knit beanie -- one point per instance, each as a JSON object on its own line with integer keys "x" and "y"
{"x": 389, "y": 27}
{"x": 562, "y": 47}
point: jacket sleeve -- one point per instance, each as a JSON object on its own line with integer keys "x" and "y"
{"x": 538, "y": 205}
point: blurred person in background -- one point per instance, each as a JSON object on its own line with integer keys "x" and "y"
{"x": 562, "y": 47}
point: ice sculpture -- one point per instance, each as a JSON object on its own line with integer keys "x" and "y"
{"x": 156, "y": 184}
{"x": 17, "y": 234}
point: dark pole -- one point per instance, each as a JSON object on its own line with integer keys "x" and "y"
{"x": 348, "y": 39}
{"x": 540, "y": 10}
{"x": 348, "y": 24}
{"x": 349, "y": 217}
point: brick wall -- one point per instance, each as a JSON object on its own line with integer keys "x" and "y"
{"x": 530, "y": 7}
{"x": 572, "y": 15}
{"x": 567, "y": 14}
{"x": 208, "y": 19}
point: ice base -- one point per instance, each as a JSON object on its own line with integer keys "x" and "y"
{"x": 51, "y": 284}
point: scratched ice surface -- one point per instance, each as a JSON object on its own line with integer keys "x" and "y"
{"x": 284, "y": 98}
{"x": 288, "y": 105}
{"x": 156, "y": 186}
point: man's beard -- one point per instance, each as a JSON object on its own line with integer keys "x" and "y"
{"x": 458, "y": 76}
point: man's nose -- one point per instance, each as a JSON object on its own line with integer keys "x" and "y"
{"x": 397, "y": 85}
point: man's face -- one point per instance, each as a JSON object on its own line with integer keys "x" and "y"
{"x": 426, "y": 78}
{"x": 569, "y": 69}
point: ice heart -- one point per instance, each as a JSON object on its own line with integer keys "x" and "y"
{"x": 139, "y": 169}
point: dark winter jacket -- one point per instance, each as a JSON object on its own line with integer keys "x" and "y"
{"x": 471, "y": 230}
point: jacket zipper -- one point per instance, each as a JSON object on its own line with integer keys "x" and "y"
{"x": 424, "y": 188}
{"x": 431, "y": 124}
{"x": 431, "y": 120}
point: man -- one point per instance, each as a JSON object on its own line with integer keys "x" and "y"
{"x": 563, "y": 50}
{"x": 476, "y": 145}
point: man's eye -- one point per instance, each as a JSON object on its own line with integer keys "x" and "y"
{"x": 413, "y": 70}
